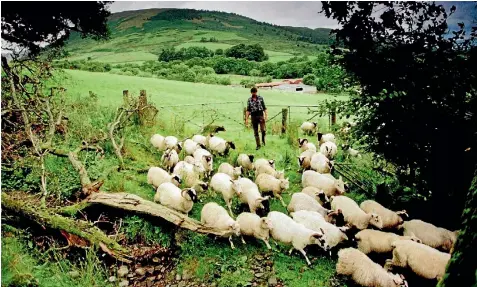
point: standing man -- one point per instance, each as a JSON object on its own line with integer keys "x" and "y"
{"x": 256, "y": 108}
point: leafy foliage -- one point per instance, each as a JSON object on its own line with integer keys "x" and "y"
{"x": 250, "y": 52}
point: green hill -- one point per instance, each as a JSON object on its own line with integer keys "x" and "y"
{"x": 140, "y": 35}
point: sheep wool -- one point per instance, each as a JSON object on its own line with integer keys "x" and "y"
{"x": 214, "y": 215}
{"x": 377, "y": 241}
{"x": 266, "y": 182}
{"x": 205, "y": 157}
{"x": 190, "y": 175}
{"x": 169, "y": 159}
{"x": 252, "y": 225}
{"x": 224, "y": 184}
{"x": 318, "y": 194}
{"x": 157, "y": 176}
{"x": 158, "y": 142}
{"x": 320, "y": 163}
{"x": 364, "y": 271}
{"x": 246, "y": 162}
{"x": 200, "y": 139}
{"x": 233, "y": 172}
{"x": 189, "y": 159}
{"x": 269, "y": 170}
{"x": 302, "y": 201}
{"x": 304, "y": 160}
{"x": 323, "y": 182}
{"x": 171, "y": 142}
{"x": 308, "y": 127}
{"x": 355, "y": 215}
{"x": 264, "y": 161}
{"x": 430, "y": 234}
{"x": 329, "y": 149}
{"x": 173, "y": 197}
{"x": 305, "y": 145}
{"x": 390, "y": 218}
{"x": 322, "y": 138}
{"x": 250, "y": 195}
{"x": 191, "y": 146}
{"x": 220, "y": 146}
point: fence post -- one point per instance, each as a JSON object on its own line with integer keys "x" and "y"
{"x": 284, "y": 120}
{"x": 333, "y": 116}
{"x": 126, "y": 97}
{"x": 244, "y": 115}
{"x": 141, "y": 106}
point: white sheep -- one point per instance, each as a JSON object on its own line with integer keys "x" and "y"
{"x": 378, "y": 241}
{"x": 269, "y": 170}
{"x": 287, "y": 231}
{"x": 157, "y": 176}
{"x": 315, "y": 221}
{"x": 302, "y": 201}
{"x": 318, "y": 194}
{"x": 350, "y": 151}
{"x": 191, "y": 146}
{"x": 329, "y": 149}
{"x": 190, "y": 175}
{"x": 355, "y": 215}
{"x": 390, "y": 218}
{"x": 252, "y": 225}
{"x": 227, "y": 168}
{"x": 304, "y": 160}
{"x": 173, "y": 197}
{"x": 364, "y": 271}
{"x": 172, "y": 142}
{"x": 250, "y": 195}
{"x": 157, "y": 141}
{"x": 200, "y": 139}
{"x": 329, "y": 186}
{"x": 169, "y": 159}
{"x": 320, "y": 163}
{"x": 224, "y": 184}
{"x": 220, "y": 146}
{"x": 214, "y": 215}
{"x": 308, "y": 127}
{"x": 423, "y": 260}
{"x": 246, "y": 162}
{"x": 430, "y": 234}
{"x": 266, "y": 182}
{"x": 189, "y": 159}
{"x": 264, "y": 161}
{"x": 205, "y": 157}
{"x": 322, "y": 138}
{"x": 304, "y": 145}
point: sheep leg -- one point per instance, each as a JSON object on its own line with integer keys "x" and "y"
{"x": 291, "y": 250}
{"x": 280, "y": 198}
{"x": 231, "y": 243}
{"x": 266, "y": 243}
{"x": 243, "y": 241}
{"x": 306, "y": 257}
{"x": 229, "y": 205}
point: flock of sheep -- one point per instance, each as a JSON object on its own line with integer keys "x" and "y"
{"x": 318, "y": 215}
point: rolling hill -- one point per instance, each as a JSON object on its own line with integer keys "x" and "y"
{"x": 140, "y": 35}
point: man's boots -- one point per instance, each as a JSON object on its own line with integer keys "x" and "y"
{"x": 263, "y": 138}
{"x": 257, "y": 141}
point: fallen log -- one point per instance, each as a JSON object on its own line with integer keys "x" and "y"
{"x": 134, "y": 203}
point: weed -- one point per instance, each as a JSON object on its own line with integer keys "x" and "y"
{"x": 136, "y": 229}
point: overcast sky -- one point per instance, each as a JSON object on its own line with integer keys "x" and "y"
{"x": 298, "y": 13}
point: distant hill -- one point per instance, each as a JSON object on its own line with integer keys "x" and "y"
{"x": 140, "y": 35}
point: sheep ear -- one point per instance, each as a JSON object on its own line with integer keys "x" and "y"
{"x": 317, "y": 235}
{"x": 231, "y": 181}
{"x": 322, "y": 231}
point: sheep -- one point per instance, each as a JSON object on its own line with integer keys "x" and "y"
{"x": 308, "y": 127}
{"x": 287, "y": 231}
{"x": 377, "y": 241}
{"x": 423, "y": 260}
{"x": 246, "y": 162}
{"x": 329, "y": 149}
{"x": 364, "y": 271}
{"x": 191, "y": 146}
{"x": 169, "y": 159}
{"x": 200, "y": 139}
{"x": 224, "y": 184}
{"x": 322, "y": 138}
{"x": 269, "y": 170}
{"x": 190, "y": 175}
{"x": 172, "y": 142}
{"x": 205, "y": 157}
{"x": 214, "y": 215}
{"x": 355, "y": 215}
{"x": 302, "y": 201}
{"x": 263, "y": 161}
{"x": 220, "y": 146}
{"x": 305, "y": 145}
{"x": 318, "y": 194}
{"x": 250, "y": 195}
{"x": 315, "y": 221}
{"x": 173, "y": 197}
{"x": 252, "y": 225}
{"x": 233, "y": 172}
{"x": 189, "y": 159}
{"x": 430, "y": 234}
{"x": 329, "y": 186}
{"x": 390, "y": 218}
{"x": 157, "y": 141}
{"x": 320, "y": 163}
{"x": 266, "y": 182}
{"x": 350, "y": 151}
{"x": 157, "y": 176}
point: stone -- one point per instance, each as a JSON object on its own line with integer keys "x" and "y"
{"x": 272, "y": 281}
{"x": 155, "y": 259}
{"x": 186, "y": 275}
{"x": 178, "y": 277}
{"x": 123, "y": 271}
{"x": 74, "y": 274}
{"x": 259, "y": 274}
{"x": 159, "y": 277}
{"x": 181, "y": 284}
{"x": 112, "y": 279}
{"x": 140, "y": 271}
{"x": 130, "y": 275}
{"x": 123, "y": 283}
{"x": 149, "y": 269}
{"x": 163, "y": 269}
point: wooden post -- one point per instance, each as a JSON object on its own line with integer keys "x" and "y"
{"x": 333, "y": 116}
{"x": 126, "y": 98}
{"x": 244, "y": 115}
{"x": 284, "y": 120}
{"x": 141, "y": 106}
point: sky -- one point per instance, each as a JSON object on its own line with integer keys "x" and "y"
{"x": 285, "y": 13}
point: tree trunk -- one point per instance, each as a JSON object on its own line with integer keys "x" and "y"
{"x": 461, "y": 269}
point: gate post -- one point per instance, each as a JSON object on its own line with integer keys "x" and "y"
{"x": 284, "y": 120}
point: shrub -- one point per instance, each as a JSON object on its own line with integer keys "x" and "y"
{"x": 189, "y": 76}
{"x": 250, "y": 52}
{"x": 254, "y": 73}
{"x": 224, "y": 81}
{"x": 207, "y": 71}
{"x": 309, "y": 79}
{"x": 219, "y": 52}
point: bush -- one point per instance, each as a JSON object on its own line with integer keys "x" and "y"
{"x": 219, "y": 52}
{"x": 224, "y": 81}
{"x": 309, "y": 79}
{"x": 254, "y": 73}
{"x": 189, "y": 76}
{"x": 250, "y": 52}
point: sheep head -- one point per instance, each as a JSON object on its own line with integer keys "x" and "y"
{"x": 321, "y": 195}
{"x": 266, "y": 223}
{"x": 302, "y": 141}
{"x": 340, "y": 185}
{"x": 234, "y": 227}
{"x": 318, "y": 238}
{"x": 259, "y": 201}
{"x": 319, "y": 136}
{"x": 177, "y": 179}
{"x": 237, "y": 171}
{"x": 199, "y": 145}
{"x": 284, "y": 184}
{"x": 236, "y": 186}
{"x": 251, "y": 157}
{"x": 314, "y": 124}
{"x": 203, "y": 185}
{"x": 301, "y": 159}
{"x": 272, "y": 163}
{"x": 231, "y": 144}
{"x": 375, "y": 220}
{"x": 189, "y": 194}
{"x": 280, "y": 174}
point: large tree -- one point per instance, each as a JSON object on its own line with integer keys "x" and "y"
{"x": 417, "y": 103}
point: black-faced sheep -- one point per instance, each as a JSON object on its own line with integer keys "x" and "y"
{"x": 173, "y": 197}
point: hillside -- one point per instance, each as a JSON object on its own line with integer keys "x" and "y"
{"x": 140, "y": 35}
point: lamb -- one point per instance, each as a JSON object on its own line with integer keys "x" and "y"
{"x": 214, "y": 215}
{"x": 220, "y": 146}
{"x": 157, "y": 176}
{"x": 224, "y": 184}
{"x": 364, "y": 271}
{"x": 329, "y": 149}
{"x": 173, "y": 197}
{"x": 191, "y": 146}
{"x": 322, "y": 138}
{"x": 233, "y": 172}
{"x": 190, "y": 175}
{"x": 318, "y": 194}
{"x": 205, "y": 157}
{"x": 266, "y": 182}
{"x": 304, "y": 160}
{"x": 302, "y": 201}
{"x": 315, "y": 221}
{"x": 250, "y": 195}
{"x": 320, "y": 163}
{"x": 305, "y": 145}
{"x": 390, "y": 218}
{"x": 377, "y": 241}
{"x": 246, "y": 162}
{"x": 263, "y": 161}
{"x": 169, "y": 159}
{"x": 308, "y": 127}
{"x": 355, "y": 215}
{"x": 270, "y": 170}
{"x": 157, "y": 141}
{"x": 430, "y": 234}
{"x": 287, "y": 231}
{"x": 423, "y": 260}
{"x": 329, "y": 186}
{"x": 350, "y": 151}
{"x": 252, "y": 225}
